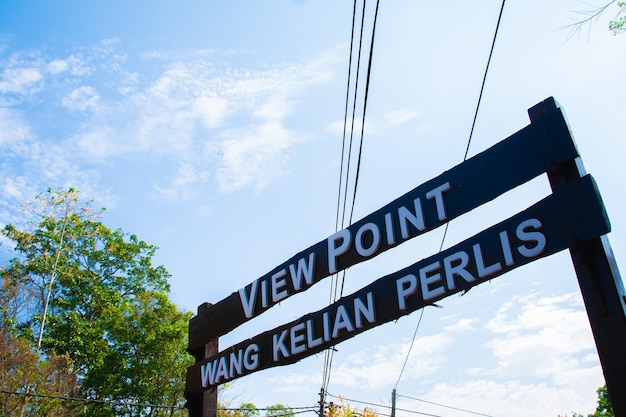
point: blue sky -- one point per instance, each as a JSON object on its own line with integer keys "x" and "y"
{"x": 214, "y": 132}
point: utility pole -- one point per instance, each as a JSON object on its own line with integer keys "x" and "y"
{"x": 393, "y": 403}
{"x": 321, "y": 410}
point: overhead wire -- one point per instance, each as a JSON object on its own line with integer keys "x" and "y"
{"x": 444, "y": 406}
{"x": 469, "y": 140}
{"x": 383, "y": 406}
{"x": 480, "y": 96}
{"x": 329, "y": 353}
{"x": 289, "y": 411}
{"x": 334, "y": 278}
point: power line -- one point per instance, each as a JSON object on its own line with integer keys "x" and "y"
{"x": 328, "y": 356}
{"x": 383, "y": 406}
{"x": 469, "y": 140}
{"x": 480, "y": 96}
{"x": 482, "y": 86}
{"x": 288, "y": 410}
{"x": 445, "y": 406}
{"x": 90, "y": 400}
{"x": 410, "y": 348}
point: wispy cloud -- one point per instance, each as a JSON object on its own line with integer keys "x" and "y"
{"x": 208, "y": 121}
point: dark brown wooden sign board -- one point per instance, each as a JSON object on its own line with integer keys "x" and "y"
{"x": 508, "y": 164}
{"x": 572, "y": 217}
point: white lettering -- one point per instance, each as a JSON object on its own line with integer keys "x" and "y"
{"x": 455, "y": 264}
{"x": 437, "y": 194}
{"x": 278, "y": 282}
{"x": 311, "y": 341}
{"x": 222, "y": 370}
{"x": 334, "y": 251}
{"x": 251, "y": 357}
{"x": 362, "y": 312}
{"x": 326, "y": 322}
{"x": 297, "y": 339}
{"x": 531, "y": 236}
{"x": 264, "y": 301}
{"x": 506, "y": 249}
{"x": 426, "y": 280}
{"x": 303, "y": 270}
{"x": 416, "y": 219}
{"x": 484, "y": 271}
{"x": 342, "y": 321}
{"x": 405, "y": 286}
{"x": 207, "y": 373}
{"x": 248, "y": 300}
{"x": 236, "y": 359}
{"x": 278, "y": 346}
{"x": 375, "y": 239}
{"x": 391, "y": 239}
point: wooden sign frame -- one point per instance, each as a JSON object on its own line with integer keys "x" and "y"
{"x": 572, "y": 217}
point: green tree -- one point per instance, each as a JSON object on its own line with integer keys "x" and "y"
{"x": 279, "y": 410}
{"x": 605, "y": 408}
{"x": 250, "y": 410}
{"x": 91, "y": 294}
{"x": 20, "y": 366}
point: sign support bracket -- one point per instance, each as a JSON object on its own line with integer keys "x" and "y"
{"x": 203, "y": 404}
{"x": 600, "y": 283}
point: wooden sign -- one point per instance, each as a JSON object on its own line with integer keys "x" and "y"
{"x": 572, "y": 217}
{"x": 574, "y": 212}
{"x": 525, "y": 155}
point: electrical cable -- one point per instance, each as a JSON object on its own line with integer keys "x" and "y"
{"x": 445, "y": 406}
{"x": 480, "y": 95}
{"x": 367, "y": 87}
{"x": 294, "y": 410}
{"x": 410, "y": 348}
{"x": 334, "y": 279}
{"x": 330, "y": 353}
{"x": 383, "y": 406}
{"x": 90, "y": 400}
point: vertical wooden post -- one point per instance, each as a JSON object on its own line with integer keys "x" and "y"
{"x": 205, "y": 404}
{"x": 393, "y": 403}
{"x": 600, "y": 284}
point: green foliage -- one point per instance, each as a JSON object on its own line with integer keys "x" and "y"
{"x": 250, "y": 410}
{"x": 91, "y": 294}
{"x": 21, "y": 367}
{"x": 605, "y": 408}
{"x": 346, "y": 410}
{"x": 279, "y": 410}
{"x": 618, "y": 25}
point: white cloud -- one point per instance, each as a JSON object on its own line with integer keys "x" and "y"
{"x": 462, "y": 325}
{"x": 253, "y": 156}
{"x": 183, "y": 184}
{"x": 509, "y": 398}
{"x": 19, "y": 80}
{"x": 97, "y": 145}
{"x": 57, "y": 66}
{"x": 211, "y": 109}
{"x": 185, "y": 114}
{"x": 543, "y": 337}
{"x": 81, "y": 99}
{"x": 14, "y": 129}
{"x": 400, "y": 116}
{"x": 380, "y": 366}
{"x": 338, "y": 126}
{"x": 13, "y": 188}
